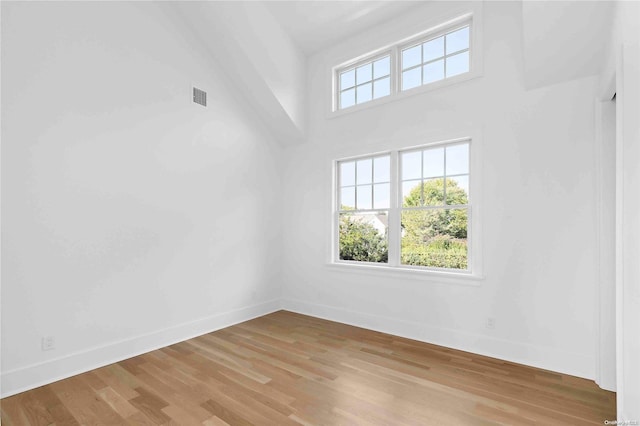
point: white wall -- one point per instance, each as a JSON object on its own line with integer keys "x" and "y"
{"x": 539, "y": 205}
{"x": 132, "y": 218}
{"x": 564, "y": 40}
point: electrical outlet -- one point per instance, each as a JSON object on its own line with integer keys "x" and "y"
{"x": 48, "y": 343}
{"x": 490, "y": 323}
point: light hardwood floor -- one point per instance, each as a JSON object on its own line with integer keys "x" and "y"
{"x": 286, "y": 368}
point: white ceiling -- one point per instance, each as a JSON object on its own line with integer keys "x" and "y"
{"x": 314, "y": 25}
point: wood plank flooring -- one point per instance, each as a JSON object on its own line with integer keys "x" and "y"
{"x": 289, "y": 369}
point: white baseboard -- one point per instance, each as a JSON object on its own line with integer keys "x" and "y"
{"x": 35, "y": 375}
{"x": 609, "y": 385}
{"x": 522, "y": 353}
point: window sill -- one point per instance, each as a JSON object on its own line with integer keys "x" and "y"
{"x": 441, "y": 277}
{"x": 398, "y": 95}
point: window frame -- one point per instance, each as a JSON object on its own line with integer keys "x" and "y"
{"x": 471, "y": 18}
{"x": 394, "y": 267}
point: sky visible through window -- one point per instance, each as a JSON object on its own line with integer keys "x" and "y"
{"x": 450, "y": 164}
{"x": 442, "y": 57}
{"x": 365, "y": 82}
{"x": 365, "y": 184}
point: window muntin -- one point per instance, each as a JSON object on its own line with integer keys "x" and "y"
{"x": 436, "y": 58}
{"x": 422, "y": 208}
{"x": 364, "y": 199}
{"x": 364, "y": 82}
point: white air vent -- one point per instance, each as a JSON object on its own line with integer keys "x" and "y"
{"x": 199, "y": 96}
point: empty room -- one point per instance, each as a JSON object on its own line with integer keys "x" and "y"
{"x": 320, "y": 213}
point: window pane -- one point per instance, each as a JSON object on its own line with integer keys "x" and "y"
{"x": 434, "y": 238}
{"x": 348, "y": 98}
{"x": 363, "y": 195}
{"x": 348, "y": 173}
{"x": 382, "y": 67}
{"x": 458, "y": 159}
{"x": 411, "y": 165}
{"x": 381, "y": 169}
{"x": 433, "y": 71}
{"x": 411, "y": 79}
{"x": 433, "y": 49}
{"x": 457, "y": 190}
{"x": 364, "y": 171}
{"x": 363, "y": 237}
{"x": 348, "y": 198}
{"x": 381, "y": 196}
{"x": 412, "y": 193}
{"x": 458, "y": 40}
{"x": 433, "y": 165}
{"x": 433, "y": 192}
{"x": 364, "y": 93}
{"x": 381, "y": 88}
{"x": 347, "y": 79}
{"x": 458, "y": 64}
{"x": 411, "y": 57}
{"x": 363, "y": 73}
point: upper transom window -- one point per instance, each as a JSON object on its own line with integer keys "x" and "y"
{"x": 424, "y": 60}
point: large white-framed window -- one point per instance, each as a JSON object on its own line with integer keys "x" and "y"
{"x": 444, "y": 54}
{"x": 407, "y": 209}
